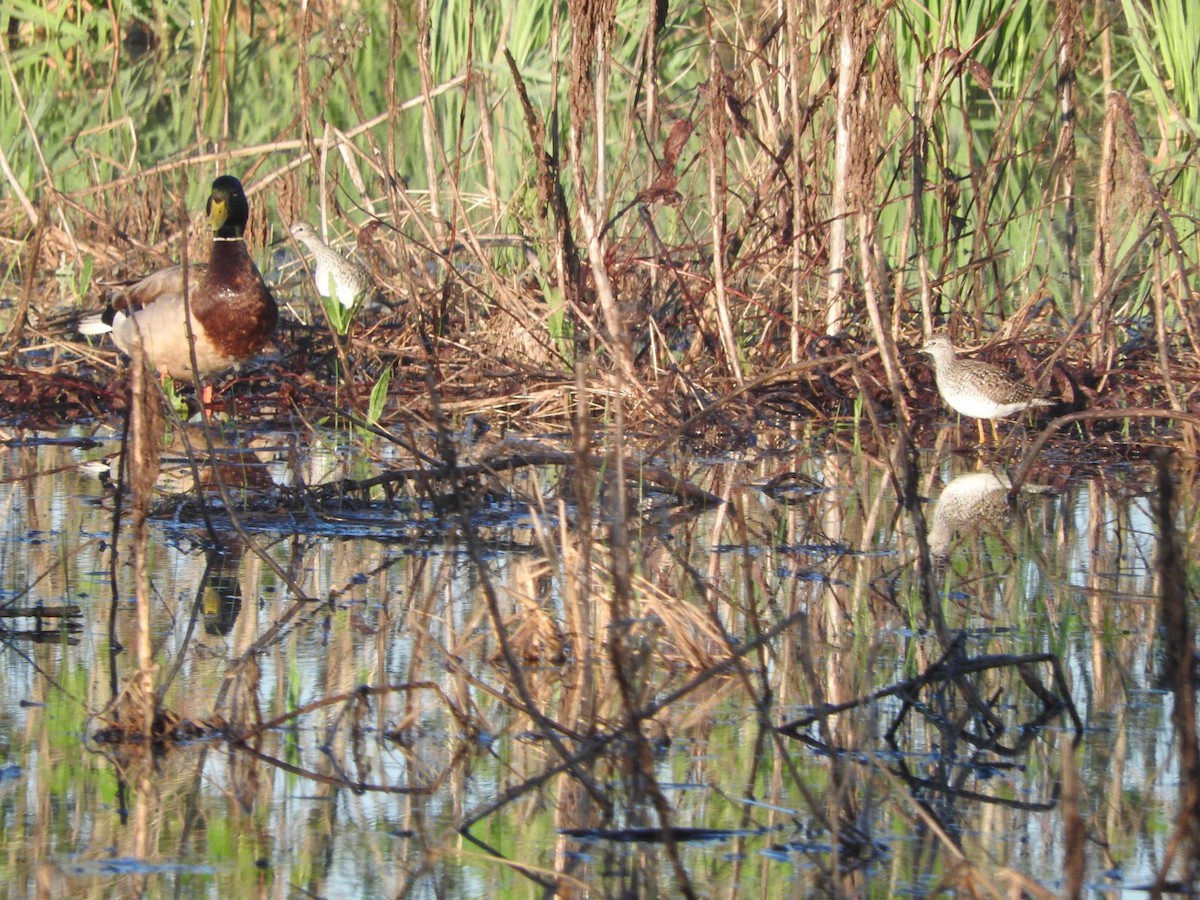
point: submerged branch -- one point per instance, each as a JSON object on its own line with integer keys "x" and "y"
{"x": 684, "y": 491}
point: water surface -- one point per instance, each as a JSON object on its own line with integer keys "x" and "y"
{"x": 356, "y": 794}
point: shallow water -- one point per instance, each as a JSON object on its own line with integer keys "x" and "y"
{"x": 364, "y": 795}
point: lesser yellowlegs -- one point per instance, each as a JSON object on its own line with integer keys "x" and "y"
{"x": 333, "y": 274}
{"x": 977, "y": 389}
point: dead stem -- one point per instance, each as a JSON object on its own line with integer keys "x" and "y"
{"x": 1178, "y": 674}
{"x": 145, "y": 425}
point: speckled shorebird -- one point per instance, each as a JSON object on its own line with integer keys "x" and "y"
{"x": 976, "y": 389}
{"x": 232, "y": 311}
{"x": 333, "y": 274}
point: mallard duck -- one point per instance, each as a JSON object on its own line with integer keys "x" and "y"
{"x": 975, "y": 388}
{"x": 232, "y": 311}
{"x": 333, "y": 274}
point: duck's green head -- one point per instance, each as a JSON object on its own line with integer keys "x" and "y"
{"x": 227, "y": 207}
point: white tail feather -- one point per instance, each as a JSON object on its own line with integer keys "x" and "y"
{"x": 93, "y": 325}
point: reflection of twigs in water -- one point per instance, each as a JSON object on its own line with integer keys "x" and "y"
{"x": 241, "y": 740}
{"x": 68, "y": 617}
{"x": 684, "y": 491}
{"x": 1090, "y": 415}
{"x": 338, "y": 781}
{"x": 559, "y": 881}
{"x": 951, "y": 671}
{"x": 597, "y": 744}
{"x": 356, "y": 694}
{"x": 66, "y": 611}
{"x": 1177, "y": 675}
{"x": 553, "y": 730}
{"x": 948, "y": 669}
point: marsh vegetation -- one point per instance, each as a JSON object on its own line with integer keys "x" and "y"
{"x": 591, "y": 551}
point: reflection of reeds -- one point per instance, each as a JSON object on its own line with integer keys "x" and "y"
{"x": 809, "y": 622}
{"x": 689, "y": 236}
{"x": 141, "y": 466}
{"x": 1178, "y": 676}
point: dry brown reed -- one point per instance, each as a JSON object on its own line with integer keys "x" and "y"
{"x": 740, "y": 255}
{"x": 490, "y": 327}
{"x": 1178, "y": 676}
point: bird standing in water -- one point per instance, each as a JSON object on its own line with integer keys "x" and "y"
{"x": 977, "y": 389}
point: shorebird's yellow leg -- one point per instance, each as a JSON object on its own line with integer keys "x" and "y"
{"x": 979, "y": 423}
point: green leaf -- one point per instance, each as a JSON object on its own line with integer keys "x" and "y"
{"x": 379, "y": 396}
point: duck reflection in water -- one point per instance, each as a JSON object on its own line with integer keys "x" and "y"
{"x": 219, "y": 595}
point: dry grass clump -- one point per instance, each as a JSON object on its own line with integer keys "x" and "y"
{"x": 755, "y": 212}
